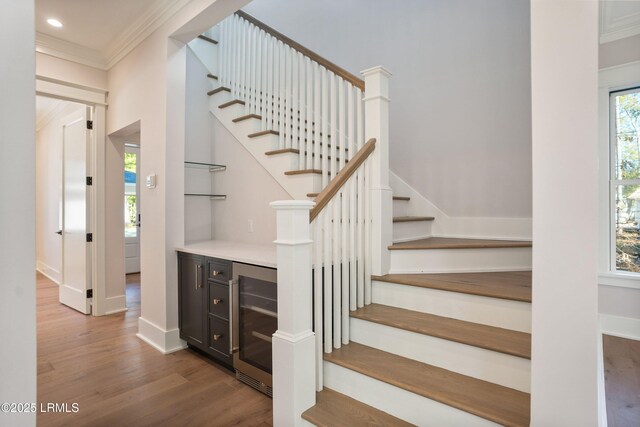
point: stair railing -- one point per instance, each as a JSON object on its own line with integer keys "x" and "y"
{"x": 315, "y": 106}
{"x": 327, "y": 252}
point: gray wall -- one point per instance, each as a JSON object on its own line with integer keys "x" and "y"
{"x": 460, "y": 91}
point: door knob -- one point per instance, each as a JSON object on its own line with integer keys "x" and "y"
{"x": 59, "y": 232}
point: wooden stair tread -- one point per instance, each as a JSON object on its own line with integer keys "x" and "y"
{"x": 488, "y": 337}
{"x": 304, "y": 171}
{"x": 333, "y": 409}
{"x": 493, "y": 402}
{"x": 230, "y": 103}
{"x": 456, "y": 243}
{"x": 246, "y": 117}
{"x": 212, "y": 76}
{"x": 218, "y": 90}
{"x": 511, "y": 285}
{"x": 263, "y": 132}
{"x": 209, "y": 39}
{"x": 412, "y": 218}
{"x": 313, "y": 195}
{"x": 294, "y": 151}
{"x": 403, "y": 198}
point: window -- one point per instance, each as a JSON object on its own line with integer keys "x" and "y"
{"x": 625, "y": 180}
{"x": 130, "y": 195}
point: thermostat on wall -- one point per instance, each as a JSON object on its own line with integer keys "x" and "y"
{"x": 151, "y": 181}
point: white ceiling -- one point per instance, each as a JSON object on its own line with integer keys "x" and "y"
{"x": 99, "y": 33}
{"x": 90, "y": 23}
{"x": 619, "y": 19}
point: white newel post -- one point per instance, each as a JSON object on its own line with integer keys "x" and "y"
{"x": 376, "y": 125}
{"x": 294, "y": 341}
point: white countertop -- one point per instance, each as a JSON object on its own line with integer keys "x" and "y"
{"x": 249, "y": 253}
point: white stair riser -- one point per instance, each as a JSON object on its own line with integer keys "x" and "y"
{"x": 499, "y": 368}
{"x": 460, "y": 260}
{"x": 231, "y": 112}
{"x": 249, "y": 126}
{"x": 218, "y": 99}
{"x": 396, "y": 401}
{"x": 412, "y": 230}
{"x": 502, "y": 313}
{"x": 306, "y": 183}
{"x": 284, "y": 161}
{"x": 400, "y": 208}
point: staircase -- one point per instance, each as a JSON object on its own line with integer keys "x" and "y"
{"x": 441, "y": 336}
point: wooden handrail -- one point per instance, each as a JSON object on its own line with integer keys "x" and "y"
{"x": 354, "y": 80}
{"x": 341, "y": 178}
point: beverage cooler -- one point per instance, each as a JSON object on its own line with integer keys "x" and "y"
{"x": 255, "y": 320}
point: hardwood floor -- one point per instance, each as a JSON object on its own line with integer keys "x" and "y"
{"x": 622, "y": 381}
{"x": 117, "y": 379}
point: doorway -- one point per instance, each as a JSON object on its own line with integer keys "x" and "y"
{"x": 132, "y": 204}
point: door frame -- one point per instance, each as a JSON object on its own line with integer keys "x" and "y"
{"x": 96, "y": 99}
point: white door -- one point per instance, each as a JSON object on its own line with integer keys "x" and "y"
{"x": 76, "y": 268}
{"x": 131, "y": 209}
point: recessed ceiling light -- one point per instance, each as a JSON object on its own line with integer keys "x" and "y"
{"x": 54, "y": 23}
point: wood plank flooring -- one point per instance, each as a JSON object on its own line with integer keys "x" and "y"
{"x": 117, "y": 379}
{"x": 622, "y": 381}
{"x": 454, "y": 243}
{"x": 512, "y": 285}
{"x": 483, "y": 336}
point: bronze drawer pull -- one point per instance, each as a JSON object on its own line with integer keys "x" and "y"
{"x": 216, "y": 337}
{"x": 215, "y": 273}
{"x": 217, "y": 301}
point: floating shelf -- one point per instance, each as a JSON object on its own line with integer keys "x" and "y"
{"x": 211, "y": 166}
{"x": 211, "y": 196}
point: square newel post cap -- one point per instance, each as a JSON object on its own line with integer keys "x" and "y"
{"x": 378, "y": 69}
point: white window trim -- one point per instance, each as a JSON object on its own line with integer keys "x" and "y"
{"x": 611, "y": 79}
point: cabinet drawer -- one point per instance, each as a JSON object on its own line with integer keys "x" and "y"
{"x": 219, "y": 337}
{"x": 219, "y": 300}
{"x": 219, "y": 271}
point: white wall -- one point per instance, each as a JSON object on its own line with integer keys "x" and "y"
{"x": 620, "y": 51}
{"x": 197, "y": 210}
{"x": 460, "y": 90}
{"x": 564, "y": 362}
{"x": 49, "y": 192}
{"x": 249, "y": 189}
{"x": 60, "y": 69}
{"x": 17, "y": 218}
{"x": 149, "y": 85}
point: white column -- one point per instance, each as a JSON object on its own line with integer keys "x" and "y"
{"x": 294, "y": 341}
{"x": 376, "y": 125}
{"x": 564, "y": 84}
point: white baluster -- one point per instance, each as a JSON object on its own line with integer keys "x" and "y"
{"x": 328, "y": 276}
{"x": 351, "y": 125}
{"x": 333, "y": 123}
{"x": 317, "y": 295}
{"x": 268, "y": 99}
{"x": 367, "y": 233}
{"x": 280, "y": 101}
{"x": 287, "y": 106}
{"x": 344, "y": 263}
{"x": 337, "y": 292}
{"x": 302, "y": 113}
{"x": 295, "y": 105}
{"x": 254, "y": 65}
{"x": 341, "y": 143}
{"x": 309, "y": 79}
{"x": 317, "y": 97}
{"x": 325, "y": 128}
{"x": 360, "y": 233}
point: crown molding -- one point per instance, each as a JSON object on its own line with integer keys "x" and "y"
{"x": 614, "y": 27}
{"x": 141, "y": 28}
{"x": 63, "y": 49}
{"x": 119, "y": 47}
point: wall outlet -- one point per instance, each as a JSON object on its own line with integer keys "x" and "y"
{"x": 250, "y": 226}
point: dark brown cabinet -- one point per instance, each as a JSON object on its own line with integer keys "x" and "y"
{"x": 204, "y": 304}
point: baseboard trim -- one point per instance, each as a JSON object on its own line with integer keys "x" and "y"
{"x": 618, "y": 326}
{"x": 116, "y": 304}
{"x": 166, "y": 342}
{"x": 49, "y": 272}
